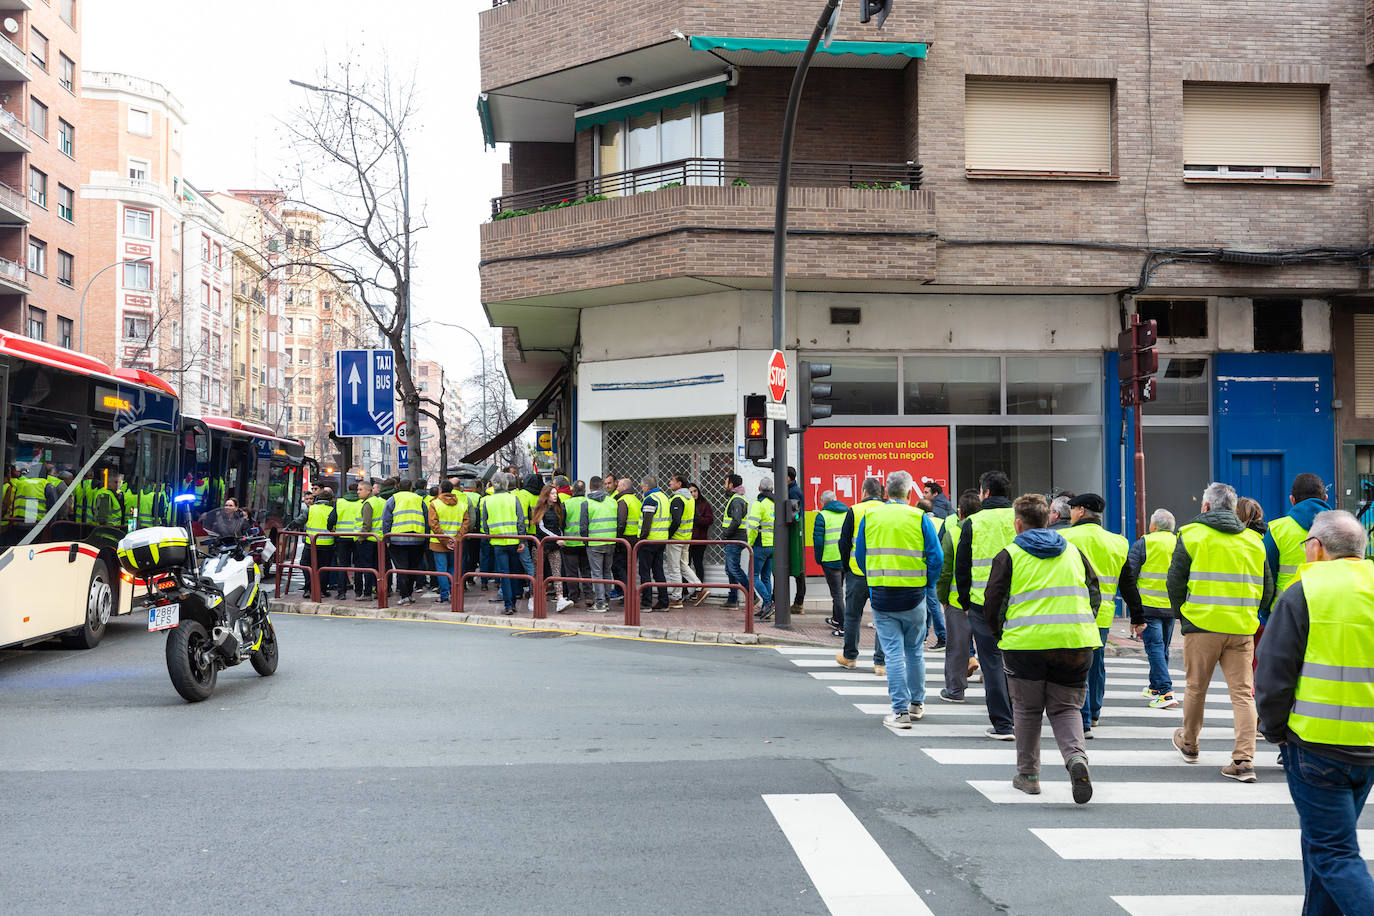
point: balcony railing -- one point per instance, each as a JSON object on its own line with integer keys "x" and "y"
{"x": 496, "y": 3}
{"x": 12, "y": 271}
{"x": 902, "y": 176}
{"x": 13, "y": 199}
{"x": 12, "y": 125}
{"x": 14, "y": 55}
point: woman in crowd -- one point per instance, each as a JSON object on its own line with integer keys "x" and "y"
{"x": 548, "y": 524}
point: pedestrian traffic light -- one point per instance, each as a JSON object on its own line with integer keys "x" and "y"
{"x": 871, "y": 8}
{"x": 755, "y": 427}
{"x": 1139, "y": 361}
{"x": 808, "y": 391}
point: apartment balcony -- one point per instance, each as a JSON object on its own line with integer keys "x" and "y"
{"x": 14, "y": 136}
{"x": 13, "y": 277}
{"x": 14, "y": 63}
{"x": 114, "y": 186}
{"x": 14, "y": 207}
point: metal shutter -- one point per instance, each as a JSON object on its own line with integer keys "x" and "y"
{"x": 1037, "y": 127}
{"x": 1364, "y": 365}
{"x": 1252, "y": 125}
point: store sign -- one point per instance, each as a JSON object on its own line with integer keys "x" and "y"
{"x": 840, "y": 457}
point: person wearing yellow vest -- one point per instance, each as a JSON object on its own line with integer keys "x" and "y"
{"x": 759, "y": 524}
{"x": 899, "y": 554}
{"x": 629, "y": 512}
{"x": 602, "y": 524}
{"x": 1314, "y": 698}
{"x": 1041, "y": 602}
{"x": 1283, "y": 540}
{"x": 855, "y": 585}
{"x": 960, "y": 661}
{"x": 654, "y": 521}
{"x": 320, "y": 524}
{"x": 575, "y": 560}
{"x": 733, "y": 528}
{"x": 528, "y": 494}
{"x": 981, "y": 537}
{"x": 365, "y": 546}
{"x": 349, "y": 508}
{"x": 29, "y": 498}
{"x": 1220, "y": 581}
{"x": 503, "y": 517}
{"x": 404, "y": 515}
{"x": 1142, "y": 587}
{"x": 1107, "y": 551}
{"x": 448, "y": 515}
{"x": 681, "y": 514}
{"x": 825, "y": 546}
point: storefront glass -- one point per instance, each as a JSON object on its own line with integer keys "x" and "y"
{"x": 952, "y": 385}
{"x": 1054, "y": 385}
{"x": 1038, "y": 459}
{"x": 863, "y": 385}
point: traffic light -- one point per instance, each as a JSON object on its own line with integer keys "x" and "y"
{"x": 808, "y": 391}
{"x": 870, "y": 8}
{"x": 1139, "y": 361}
{"x": 755, "y": 427}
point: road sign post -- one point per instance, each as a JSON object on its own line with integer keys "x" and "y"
{"x": 365, "y": 392}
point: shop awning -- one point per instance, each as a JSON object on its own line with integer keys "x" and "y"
{"x": 902, "y": 50}
{"x": 508, "y": 435}
{"x": 484, "y": 115}
{"x": 711, "y": 88}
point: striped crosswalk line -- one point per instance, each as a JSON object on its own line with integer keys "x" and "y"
{"x": 804, "y": 651}
{"x": 1168, "y": 718}
{"x": 1005, "y": 755}
{"x": 938, "y": 729}
{"x": 1193, "y": 904}
{"x": 1124, "y": 665}
{"x": 1179, "y": 843}
{"x": 1054, "y": 792}
{"x": 879, "y": 689}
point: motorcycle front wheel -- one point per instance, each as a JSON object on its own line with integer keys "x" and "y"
{"x": 264, "y": 657}
{"x": 190, "y": 661}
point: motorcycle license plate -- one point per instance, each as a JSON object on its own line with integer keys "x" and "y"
{"x": 164, "y": 617}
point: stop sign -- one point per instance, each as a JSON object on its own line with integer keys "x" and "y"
{"x": 777, "y": 376}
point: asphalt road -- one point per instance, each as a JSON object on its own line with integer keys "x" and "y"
{"x": 423, "y": 767}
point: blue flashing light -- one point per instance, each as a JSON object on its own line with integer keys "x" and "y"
{"x": 185, "y": 498}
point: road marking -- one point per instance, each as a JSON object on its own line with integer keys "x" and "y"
{"x": 932, "y": 655}
{"x": 865, "y": 673}
{"x": 879, "y": 690}
{"x": 1169, "y": 717}
{"x": 1006, "y": 756}
{"x": 1139, "y": 793}
{"x": 1123, "y": 665}
{"x": 850, "y": 870}
{"x": 1193, "y": 904}
{"x": 1192, "y": 843}
{"x": 975, "y": 730}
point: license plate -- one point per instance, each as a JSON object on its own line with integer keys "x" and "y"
{"x": 268, "y": 551}
{"x": 164, "y": 617}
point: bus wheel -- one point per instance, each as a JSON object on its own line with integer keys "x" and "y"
{"x": 99, "y": 599}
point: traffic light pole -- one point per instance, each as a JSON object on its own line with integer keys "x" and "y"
{"x": 782, "y": 560}
{"x": 1141, "y": 521}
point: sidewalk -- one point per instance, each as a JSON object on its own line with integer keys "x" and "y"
{"x": 708, "y": 623}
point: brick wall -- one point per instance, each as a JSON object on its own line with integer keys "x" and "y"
{"x": 838, "y": 107}
{"x": 534, "y": 165}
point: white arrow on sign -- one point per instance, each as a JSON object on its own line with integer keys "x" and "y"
{"x": 354, "y": 380}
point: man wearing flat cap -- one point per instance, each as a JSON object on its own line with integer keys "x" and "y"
{"x": 1107, "y": 553}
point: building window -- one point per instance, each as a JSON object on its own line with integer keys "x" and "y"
{"x": 287, "y": 323}
{"x": 329, "y": 332}
{"x": 38, "y": 187}
{"x": 139, "y": 168}
{"x": 38, "y": 324}
{"x": 66, "y": 267}
{"x": 204, "y": 388}
{"x": 64, "y": 332}
{"x": 1175, "y": 318}
{"x": 138, "y": 223}
{"x": 205, "y": 295}
{"x": 140, "y": 122}
{"x": 215, "y": 301}
{"x": 176, "y": 139}
{"x": 690, "y": 130}
{"x": 66, "y": 138}
{"x": 307, "y": 236}
{"x": 38, "y": 257}
{"x": 303, "y": 356}
{"x": 303, "y": 325}
{"x": 38, "y": 117}
{"x": 952, "y": 385}
{"x": 66, "y": 202}
{"x": 38, "y": 48}
{"x": 67, "y": 10}
{"x": 138, "y": 275}
{"x": 66, "y": 72}
{"x": 1016, "y": 128}
{"x": 216, "y": 347}
{"x": 136, "y": 327}
{"x": 303, "y": 414}
{"x": 1252, "y": 133}
{"x": 304, "y": 297}
{"x": 218, "y": 256}
{"x": 205, "y": 248}
{"x": 1278, "y": 325}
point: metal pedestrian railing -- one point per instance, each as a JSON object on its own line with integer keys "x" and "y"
{"x": 542, "y": 593}
{"x": 632, "y": 569}
{"x": 535, "y": 581}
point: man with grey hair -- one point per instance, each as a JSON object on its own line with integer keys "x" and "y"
{"x": 1314, "y": 700}
{"x": 1219, "y": 581}
{"x": 1061, "y": 511}
{"x": 1143, "y": 588}
{"x": 856, "y": 586}
{"x": 825, "y": 543}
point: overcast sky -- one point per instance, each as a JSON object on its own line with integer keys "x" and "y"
{"x": 229, "y": 64}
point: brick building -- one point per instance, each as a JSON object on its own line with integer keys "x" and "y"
{"x": 41, "y": 166}
{"x": 982, "y": 194}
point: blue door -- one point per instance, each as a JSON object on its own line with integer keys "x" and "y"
{"x": 1259, "y": 475}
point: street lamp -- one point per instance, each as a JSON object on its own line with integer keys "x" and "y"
{"x": 486, "y": 432}
{"x": 81, "y": 329}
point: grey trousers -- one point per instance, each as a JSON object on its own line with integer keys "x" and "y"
{"x": 1033, "y": 700}
{"x": 601, "y": 556}
{"x": 958, "y": 632}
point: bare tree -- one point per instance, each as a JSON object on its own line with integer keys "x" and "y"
{"x": 501, "y": 410}
{"x": 162, "y": 344}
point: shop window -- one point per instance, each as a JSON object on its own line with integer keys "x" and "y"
{"x": 863, "y": 385}
{"x": 1182, "y": 385}
{"x": 1038, "y": 459}
{"x": 1175, "y": 317}
{"x": 1054, "y": 385}
{"x": 952, "y": 385}
{"x": 1278, "y": 325}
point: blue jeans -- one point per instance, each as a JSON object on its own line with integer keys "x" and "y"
{"x": 763, "y": 573}
{"x": 1329, "y": 796}
{"x": 486, "y": 559}
{"x": 734, "y": 571}
{"x": 935, "y": 618}
{"x": 994, "y": 674}
{"x": 443, "y": 562}
{"x": 855, "y": 597}
{"x": 527, "y": 560}
{"x": 1097, "y": 682}
{"x": 1157, "y": 635}
{"x": 903, "y": 637}
{"x": 507, "y": 561}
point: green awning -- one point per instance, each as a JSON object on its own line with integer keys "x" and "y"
{"x": 657, "y": 103}
{"x": 914, "y": 49}
{"x": 484, "y": 115}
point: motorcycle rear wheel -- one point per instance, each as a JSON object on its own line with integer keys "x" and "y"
{"x": 264, "y": 658}
{"x": 189, "y": 662}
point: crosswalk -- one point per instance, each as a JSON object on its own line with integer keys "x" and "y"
{"x": 1189, "y": 800}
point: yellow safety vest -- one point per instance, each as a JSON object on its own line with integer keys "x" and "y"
{"x": 450, "y": 517}
{"x": 500, "y": 518}
{"x": 992, "y": 531}
{"x": 602, "y": 520}
{"x": 1048, "y": 606}
{"x": 955, "y": 527}
{"x": 760, "y": 521}
{"x": 1226, "y": 580}
{"x": 104, "y": 508}
{"x": 659, "y": 522}
{"x": 1107, "y": 553}
{"x": 30, "y": 499}
{"x": 894, "y": 546}
{"x": 689, "y": 514}
{"x": 378, "y": 510}
{"x": 634, "y": 513}
{"x": 1334, "y": 700}
{"x": 407, "y": 514}
{"x": 832, "y": 522}
{"x": 1288, "y": 536}
{"x": 572, "y": 520}
{"x": 350, "y": 516}
{"x": 860, "y": 510}
{"x": 317, "y": 523}
{"x": 527, "y": 502}
{"x": 1152, "y": 583}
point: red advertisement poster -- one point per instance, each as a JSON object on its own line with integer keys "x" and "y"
{"x": 840, "y": 457}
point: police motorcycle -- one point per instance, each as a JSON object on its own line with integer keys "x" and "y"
{"x": 210, "y": 602}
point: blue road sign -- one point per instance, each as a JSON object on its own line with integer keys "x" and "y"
{"x": 365, "y": 392}
{"x": 403, "y": 456}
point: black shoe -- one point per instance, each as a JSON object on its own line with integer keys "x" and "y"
{"x": 1080, "y": 779}
{"x": 939, "y": 644}
{"x": 767, "y": 613}
{"x": 839, "y": 633}
{"x": 837, "y": 624}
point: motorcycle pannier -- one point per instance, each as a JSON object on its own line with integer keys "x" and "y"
{"x": 153, "y": 550}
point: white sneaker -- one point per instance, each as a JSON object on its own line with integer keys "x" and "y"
{"x": 898, "y": 720}
{"x": 917, "y": 711}
{"x": 563, "y": 605}
{"x": 598, "y": 609}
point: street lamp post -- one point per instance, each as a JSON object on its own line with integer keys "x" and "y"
{"x": 483, "y": 350}
{"x": 81, "y": 328}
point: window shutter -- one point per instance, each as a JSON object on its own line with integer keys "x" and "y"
{"x": 1252, "y": 125}
{"x": 1037, "y": 127}
{"x": 1364, "y": 365}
